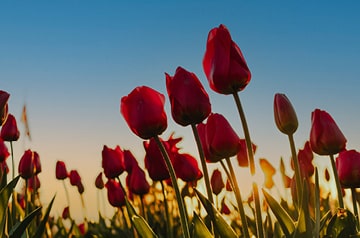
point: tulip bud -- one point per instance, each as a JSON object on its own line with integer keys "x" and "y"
{"x": 348, "y": 168}
{"x": 75, "y": 178}
{"x": 112, "y": 161}
{"x": 66, "y": 213}
{"x": 325, "y": 136}
{"x": 216, "y": 182}
{"x": 186, "y": 167}
{"x": 143, "y": 110}
{"x": 115, "y": 193}
{"x": 154, "y": 162}
{"x": 26, "y": 165}
{"x": 137, "y": 182}
{"x": 9, "y": 131}
{"x": 99, "y": 183}
{"x": 285, "y": 115}
{"x": 61, "y": 172}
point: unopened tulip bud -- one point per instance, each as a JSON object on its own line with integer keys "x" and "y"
{"x": 285, "y": 115}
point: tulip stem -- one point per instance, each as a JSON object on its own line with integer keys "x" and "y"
{"x": 236, "y": 189}
{"x": 295, "y": 160}
{"x": 354, "y": 201}
{"x": 67, "y": 196}
{"x": 203, "y": 163}
{"x": 336, "y": 177}
{"x": 167, "y": 213}
{"x": 180, "y": 201}
{"x": 12, "y": 160}
{"x": 250, "y": 153}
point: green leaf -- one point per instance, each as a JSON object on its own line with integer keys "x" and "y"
{"x": 303, "y": 225}
{"x": 141, "y": 226}
{"x": 199, "y": 229}
{"x": 19, "y": 228}
{"x": 5, "y": 194}
{"x": 342, "y": 224}
{"x": 221, "y": 226}
{"x": 285, "y": 221}
{"x": 41, "y": 228}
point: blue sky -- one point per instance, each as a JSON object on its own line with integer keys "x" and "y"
{"x": 72, "y": 61}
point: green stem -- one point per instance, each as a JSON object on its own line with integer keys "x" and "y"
{"x": 67, "y": 196}
{"x": 167, "y": 212}
{"x": 26, "y": 197}
{"x": 12, "y": 160}
{"x": 354, "y": 201}
{"x": 295, "y": 160}
{"x": 144, "y": 214}
{"x": 250, "y": 154}
{"x": 203, "y": 163}
{"x": 180, "y": 201}
{"x": 336, "y": 177}
{"x": 236, "y": 190}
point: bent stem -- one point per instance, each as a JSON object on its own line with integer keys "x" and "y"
{"x": 338, "y": 186}
{"x": 295, "y": 160}
{"x": 236, "y": 190}
{"x": 250, "y": 154}
{"x": 180, "y": 201}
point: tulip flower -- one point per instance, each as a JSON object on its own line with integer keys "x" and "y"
{"x": 190, "y": 104}
{"x": 305, "y": 158}
{"x": 154, "y": 162}
{"x": 269, "y": 172}
{"x": 136, "y": 181}
{"x": 26, "y": 165}
{"x": 285, "y": 115}
{"x": 224, "y": 64}
{"x": 115, "y": 193}
{"x": 221, "y": 139}
{"x": 61, "y": 172}
{"x": 228, "y": 185}
{"x": 34, "y": 183}
{"x": 129, "y": 161}
{"x": 37, "y": 163}
{"x": 66, "y": 213}
{"x": 242, "y": 156}
{"x": 4, "y": 97}
{"x": 216, "y": 181}
{"x": 99, "y": 183}
{"x": 186, "y": 167}
{"x": 224, "y": 208}
{"x": 325, "y": 136}
{"x": 348, "y": 168}
{"x": 210, "y": 157}
{"x": 9, "y": 131}
{"x": 4, "y": 153}
{"x": 113, "y": 162}
{"x": 143, "y": 110}
{"x": 80, "y": 188}
{"x": 75, "y": 178}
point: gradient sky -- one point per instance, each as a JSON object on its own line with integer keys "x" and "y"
{"x": 72, "y": 61}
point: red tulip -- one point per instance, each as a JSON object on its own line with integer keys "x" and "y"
{"x": 80, "y": 187}
{"x": 4, "y": 97}
{"x": 4, "y": 169}
{"x": 34, "y": 183}
{"x": 327, "y": 175}
{"x": 190, "y": 104}
{"x": 216, "y": 182}
{"x": 9, "y": 131}
{"x": 61, "y": 172}
{"x": 209, "y": 156}
{"x": 269, "y": 172}
{"x": 154, "y": 162}
{"x": 222, "y": 140}
{"x": 26, "y": 165}
{"x": 348, "y": 168}
{"x": 305, "y": 158}
{"x": 285, "y": 115}
{"x": 82, "y": 228}
{"x": 99, "y": 183}
{"x": 66, "y": 213}
{"x": 4, "y": 153}
{"x": 224, "y": 208}
{"x": 224, "y": 64}
{"x": 129, "y": 161}
{"x": 37, "y": 163}
{"x": 143, "y": 110}
{"x": 228, "y": 185}
{"x": 186, "y": 167}
{"x": 172, "y": 142}
{"x": 242, "y": 156}
{"x": 113, "y": 161}
{"x": 136, "y": 181}
{"x": 325, "y": 136}
{"x": 75, "y": 178}
{"x": 115, "y": 193}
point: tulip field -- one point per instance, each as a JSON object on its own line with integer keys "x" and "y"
{"x": 162, "y": 198}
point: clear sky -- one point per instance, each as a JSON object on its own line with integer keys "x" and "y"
{"x": 72, "y": 61}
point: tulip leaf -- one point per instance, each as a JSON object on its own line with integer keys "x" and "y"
{"x": 199, "y": 229}
{"x": 285, "y": 221}
{"x": 5, "y": 194}
{"x": 19, "y": 228}
{"x": 140, "y": 224}
{"x": 41, "y": 228}
{"x": 342, "y": 224}
{"x": 303, "y": 225}
{"x": 221, "y": 226}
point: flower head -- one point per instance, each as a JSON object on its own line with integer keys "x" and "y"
{"x": 224, "y": 64}
{"x": 154, "y": 162}
{"x": 186, "y": 167}
{"x": 26, "y": 165}
{"x": 136, "y": 181}
{"x": 285, "y": 115}
{"x": 99, "y": 182}
{"x": 61, "y": 172}
{"x": 216, "y": 182}
{"x": 9, "y": 131}
{"x": 348, "y": 168}
{"x": 190, "y": 104}
{"x": 143, "y": 110}
{"x": 4, "y": 97}
{"x": 112, "y": 161}
{"x": 115, "y": 193}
